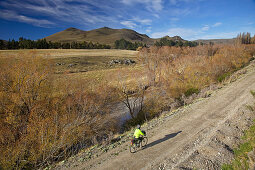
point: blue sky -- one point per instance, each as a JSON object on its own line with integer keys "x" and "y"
{"x": 190, "y": 19}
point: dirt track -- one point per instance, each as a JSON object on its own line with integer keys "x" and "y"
{"x": 199, "y": 136}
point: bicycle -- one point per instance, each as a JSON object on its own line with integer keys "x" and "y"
{"x": 136, "y": 144}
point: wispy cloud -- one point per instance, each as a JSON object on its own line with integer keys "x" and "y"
{"x": 129, "y": 24}
{"x": 10, "y": 15}
{"x": 218, "y": 35}
{"x": 153, "y": 5}
{"x": 174, "y": 19}
{"x": 136, "y": 22}
{"x": 216, "y": 24}
{"x": 83, "y": 12}
{"x": 177, "y": 2}
{"x": 148, "y": 30}
{"x": 142, "y": 21}
{"x": 205, "y": 28}
{"x": 177, "y": 12}
{"x": 72, "y": 11}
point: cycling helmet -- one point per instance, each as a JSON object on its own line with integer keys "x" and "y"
{"x": 138, "y": 126}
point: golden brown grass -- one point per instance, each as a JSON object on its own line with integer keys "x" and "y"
{"x": 77, "y": 63}
{"x": 42, "y": 118}
{"x": 66, "y": 53}
{"x": 44, "y": 115}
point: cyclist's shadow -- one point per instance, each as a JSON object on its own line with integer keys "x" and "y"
{"x": 169, "y": 136}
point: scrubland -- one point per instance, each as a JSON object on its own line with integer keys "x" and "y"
{"x": 49, "y": 111}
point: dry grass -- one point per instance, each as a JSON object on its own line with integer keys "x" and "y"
{"x": 76, "y": 63}
{"x": 34, "y": 99}
{"x": 66, "y": 53}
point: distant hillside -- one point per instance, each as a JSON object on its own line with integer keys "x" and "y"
{"x": 217, "y": 41}
{"x": 103, "y": 35}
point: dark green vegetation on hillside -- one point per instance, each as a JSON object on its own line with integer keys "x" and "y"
{"x": 124, "y": 44}
{"x": 43, "y": 44}
{"x": 167, "y": 41}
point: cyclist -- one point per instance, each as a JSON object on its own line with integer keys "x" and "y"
{"x": 138, "y": 135}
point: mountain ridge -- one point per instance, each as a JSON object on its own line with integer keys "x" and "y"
{"x": 106, "y": 35}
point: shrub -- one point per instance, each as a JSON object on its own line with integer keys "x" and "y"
{"x": 39, "y": 125}
{"x": 179, "y": 69}
{"x": 224, "y": 76}
{"x": 191, "y": 91}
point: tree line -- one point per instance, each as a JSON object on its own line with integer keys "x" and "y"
{"x": 124, "y": 44}
{"x": 166, "y": 42}
{"x": 24, "y": 43}
{"x": 245, "y": 38}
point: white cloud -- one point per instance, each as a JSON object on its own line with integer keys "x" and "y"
{"x": 173, "y": 2}
{"x": 216, "y": 24}
{"x": 219, "y": 35}
{"x": 206, "y": 28}
{"x": 157, "y": 5}
{"x": 177, "y": 2}
{"x": 174, "y": 19}
{"x": 152, "y": 5}
{"x": 142, "y": 21}
{"x": 156, "y": 15}
{"x": 180, "y": 11}
{"x": 148, "y": 30}
{"x": 10, "y": 15}
{"x": 60, "y": 10}
{"x": 135, "y": 22}
{"x": 129, "y": 24}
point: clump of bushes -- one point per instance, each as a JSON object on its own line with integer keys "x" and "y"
{"x": 39, "y": 125}
{"x": 187, "y": 70}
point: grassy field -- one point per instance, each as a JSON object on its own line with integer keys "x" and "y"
{"x": 76, "y": 60}
{"x": 86, "y": 66}
{"x": 66, "y": 53}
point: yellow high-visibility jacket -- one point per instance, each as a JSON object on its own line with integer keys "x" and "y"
{"x": 138, "y": 133}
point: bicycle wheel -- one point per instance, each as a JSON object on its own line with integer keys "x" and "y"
{"x": 144, "y": 141}
{"x": 132, "y": 148}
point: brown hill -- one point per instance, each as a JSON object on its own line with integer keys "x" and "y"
{"x": 108, "y": 36}
{"x": 103, "y": 35}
